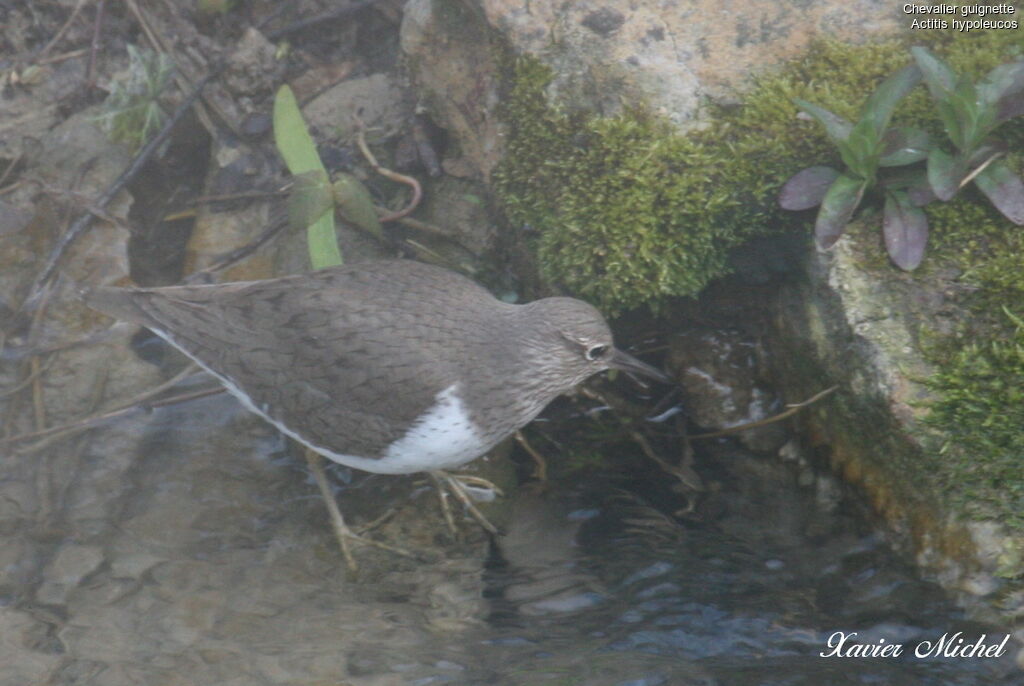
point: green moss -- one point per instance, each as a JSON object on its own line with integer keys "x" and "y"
{"x": 631, "y": 212}
{"x": 981, "y": 411}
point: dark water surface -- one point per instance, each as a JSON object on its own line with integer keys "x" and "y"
{"x": 187, "y": 547}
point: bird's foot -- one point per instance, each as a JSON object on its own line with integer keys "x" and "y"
{"x": 460, "y": 485}
{"x": 341, "y": 530}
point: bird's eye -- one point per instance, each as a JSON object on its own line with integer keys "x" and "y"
{"x": 597, "y": 352}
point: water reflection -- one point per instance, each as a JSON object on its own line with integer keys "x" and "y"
{"x": 186, "y": 547}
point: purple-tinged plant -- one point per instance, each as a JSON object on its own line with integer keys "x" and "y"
{"x": 865, "y": 147}
{"x": 970, "y": 113}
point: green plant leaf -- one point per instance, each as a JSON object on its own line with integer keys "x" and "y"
{"x": 950, "y": 122}
{"x": 944, "y": 174}
{"x": 310, "y": 198}
{"x": 879, "y": 107}
{"x": 914, "y": 182}
{"x": 975, "y": 120}
{"x": 356, "y": 205}
{"x": 939, "y": 78}
{"x": 862, "y": 147}
{"x": 806, "y": 188}
{"x": 1004, "y": 188}
{"x": 1006, "y": 80}
{"x": 983, "y": 152}
{"x": 291, "y": 135}
{"x": 1009, "y": 107}
{"x": 902, "y": 146}
{"x": 299, "y": 154}
{"x": 837, "y": 128}
{"x": 837, "y": 207}
{"x": 905, "y": 230}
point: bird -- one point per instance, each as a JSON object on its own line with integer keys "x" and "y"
{"x": 386, "y": 366}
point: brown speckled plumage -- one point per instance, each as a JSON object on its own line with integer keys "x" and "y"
{"x": 348, "y": 358}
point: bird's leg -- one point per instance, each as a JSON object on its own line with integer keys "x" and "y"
{"x": 455, "y": 484}
{"x": 541, "y": 471}
{"x": 341, "y": 530}
{"x": 442, "y": 495}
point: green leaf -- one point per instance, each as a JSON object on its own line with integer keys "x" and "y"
{"x": 973, "y": 118}
{"x": 299, "y": 154}
{"x": 310, "y": 198}
{"x": 950, "y": 122}
{"x": 983, "y": 152}
{"x": 903, "y": 146}
{"x": 322, "y": 243}
{"x": 291, "y": 135}
{"x": 1004, "y": 188}
{"x": 944, "y": 174}
{"x": 880, "y": 106}
{"x": 939, "y": 78}
{"x": 1009, "y": 107}
{"x": 356, "y": 205}
{"x": 837, "y": 207}
{"x": 862, "y": 150}
{"x": 836, "y": 127}
{"x": 806, "y": 188}
{"x": 905, "y": 229}
{"x": 1006, "y": 80}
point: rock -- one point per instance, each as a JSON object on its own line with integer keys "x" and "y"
{"x": 24, "y": 663}
{"x": 72, "y": 563}
{"x": 605, "y": 55}
{"x": 454, "y": 65}
{"x": 253, "y": 67}
{"x": 718, "y": 369}
{"x": 376, "y": 99}
{"x": 852, "y": 322}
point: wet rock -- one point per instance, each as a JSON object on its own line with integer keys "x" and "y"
{"x": 719, "y": 371}
{"x": 72, "y": 563}
{"x": 23, "y": 664}
{"x": 846, "y": 321}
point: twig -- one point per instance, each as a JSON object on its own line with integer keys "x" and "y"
{"x": 970, "y": 177}
{"x": 318, "y": 19}
{"x": 63, "y": 29}
{"x": 417, "y": 191}
{"x": 85, "y": 219}
{"x": 10, "y": 167}
{"x": 687, "y": 476}
{"x": 27, "y": 380}
{"x": 144, "y": 25}
{"x": 63, "y": 57}
{"x": 94, "y": 46}
{"x": 793, "y": 409}
{"x": 139, "y": 402}
{"x": 241, "y": 195}
{"x": 161, "y": 43}
{"x": 239, "y": 254}
{"x": 425, "y": 227}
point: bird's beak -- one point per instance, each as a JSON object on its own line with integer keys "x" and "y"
{"x": 628, "y": 363}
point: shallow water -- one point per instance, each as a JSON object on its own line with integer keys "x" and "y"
{"x": 189, "y": 547}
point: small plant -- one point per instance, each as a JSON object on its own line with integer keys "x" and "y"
{"x": 132, "y": 110}
{"x": 969, "y": 114}
{"x": 314, "y": 198}
{"x": 865, "y": 148}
